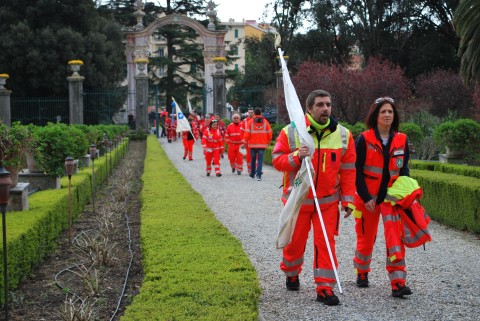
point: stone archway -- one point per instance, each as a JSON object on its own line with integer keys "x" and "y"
{"x": 137, "y": 49}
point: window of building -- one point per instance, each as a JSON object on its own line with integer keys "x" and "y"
{"x": 236, "y": 33}
{"x": 160, "y": 52}
{"x": 193, "y": 68}
{"x": 236, "y": 67}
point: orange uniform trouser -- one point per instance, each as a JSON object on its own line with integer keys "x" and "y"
{"x": 323, "y": 272}
{"x": 235, "y": 157}
{"x": 188, "y": 148}
{"x": 366, "y": 228}
{"x": 248, "y": 157}
{"x": 171, "y": 134}
{"x": 215, "y": 155}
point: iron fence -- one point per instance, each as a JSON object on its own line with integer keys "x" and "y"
{"x": 99, "y": 107}
{"x": 39, "y": 110}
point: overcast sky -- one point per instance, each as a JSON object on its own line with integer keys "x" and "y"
{"x": 240, "y": 9}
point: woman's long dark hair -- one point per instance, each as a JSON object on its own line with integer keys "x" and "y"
{"x": 372, "y": 116}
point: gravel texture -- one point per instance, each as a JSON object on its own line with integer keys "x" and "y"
{"x": 445, "y": 278}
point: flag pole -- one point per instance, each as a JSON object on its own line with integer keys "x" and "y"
{"x": 312, "y": 185}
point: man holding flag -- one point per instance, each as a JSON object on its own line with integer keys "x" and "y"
{"x": 332, "y": 158}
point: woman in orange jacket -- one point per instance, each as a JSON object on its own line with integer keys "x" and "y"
{"x": 212, "y": 142}
{"x": 382, "y": 156}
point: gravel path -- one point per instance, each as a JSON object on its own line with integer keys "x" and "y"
{"x": 445, "y": 279}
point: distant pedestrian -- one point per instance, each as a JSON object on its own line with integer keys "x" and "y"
{"x": 258, "y": 135}
{"x": 234, "y": 139}
{"x": 189, "y": 138}
{"x": 248, "y": 158}
{"x": 212, "y": 142}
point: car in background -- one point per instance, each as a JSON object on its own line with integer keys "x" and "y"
{"x": 271, "y": 115}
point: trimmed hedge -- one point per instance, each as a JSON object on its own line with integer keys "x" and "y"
{"x": 33, "y": 234}
{"x": 194, "y": 269}
{"x": 464, "y": 170}
{"x": 453, "y": 200}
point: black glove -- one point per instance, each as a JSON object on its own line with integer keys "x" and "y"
{"x": 221, "y": 156}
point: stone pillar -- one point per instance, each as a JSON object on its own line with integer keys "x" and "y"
{"x": 75, "y": 93}
{"x": 219, "y": 91}
{"x": 141, "y": 96}
{"x": 5, "y": 112}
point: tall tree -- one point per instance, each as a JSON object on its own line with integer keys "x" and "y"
{"x": 467, "y": 22}
{"x": 394, "y": 29}
{"x": 39, "y": 38}
{"x": 260, "y": 66}
{"x": 287, "y": 18}
{"x": 330, "y": 41}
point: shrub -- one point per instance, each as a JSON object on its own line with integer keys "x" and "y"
{"x": 413, "y": 132}
{"x": 55, "y": 143}
{"x": 15, "y": 141}
{"x": 461, "y": 137}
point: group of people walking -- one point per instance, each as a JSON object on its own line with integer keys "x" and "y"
{"x": 353, "y": 174}
{"x": 246, "y": 138}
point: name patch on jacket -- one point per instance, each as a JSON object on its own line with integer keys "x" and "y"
{"x": 398, "y": 152}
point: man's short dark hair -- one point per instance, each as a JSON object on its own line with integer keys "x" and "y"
{"x": 314, "y": 94}
{"x": 258, "y": 111}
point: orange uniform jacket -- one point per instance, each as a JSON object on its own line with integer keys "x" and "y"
{"x": 212, "y": 139}
{"x": 233, "y": 134}
{"x": 258, "y": 132}
{"x": 194, "y": 127}
{"x": 333, "y": 162}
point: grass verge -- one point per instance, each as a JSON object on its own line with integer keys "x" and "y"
{"x": 194, "y": 269}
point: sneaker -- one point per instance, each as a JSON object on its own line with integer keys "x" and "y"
{"x": 233, "y": 169}
{"x": 191, "y": 159}
{"x": 208, "y": 174}
{"x": 184, "y": 157}
{"x": 239, "y": 172}
{"x": 252, "y": 176}
{"x": 259, "y": 178}
{"x": 400, "y": 289}
{"x": 293, "y": 283}
{"x": 327, "y": 297}
{"x": 218, "y": 175}
{"x": 362, "y": 280}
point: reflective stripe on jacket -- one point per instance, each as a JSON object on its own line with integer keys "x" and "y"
{"x": 333, "y": 162}
{"x": 373, "y": 168}
{"x": 402, "y": 198}
{"x": 212, "y": 138}
{"x": 258, "y": 132}
{"x": 234, "y": 134}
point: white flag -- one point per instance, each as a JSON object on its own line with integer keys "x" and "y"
{"x": 295, "y": 111}
{"x": 189, "y": 106}
{"x": 302, "y": 183}
{"x": 288, "y": 217}
{"x": 182, "y": 122}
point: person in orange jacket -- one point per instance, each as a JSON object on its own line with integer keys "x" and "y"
{"x": 234, "y": 139}
{"x": 382, "y": 156}
{"x": 333, "y": 162}
{"x": 250, "y": 114}
{"x": 258, "y": 135}
{"x": 171, "y": 125}
{"x": 212, "y": 142}
{"x": 189, "y": 138}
